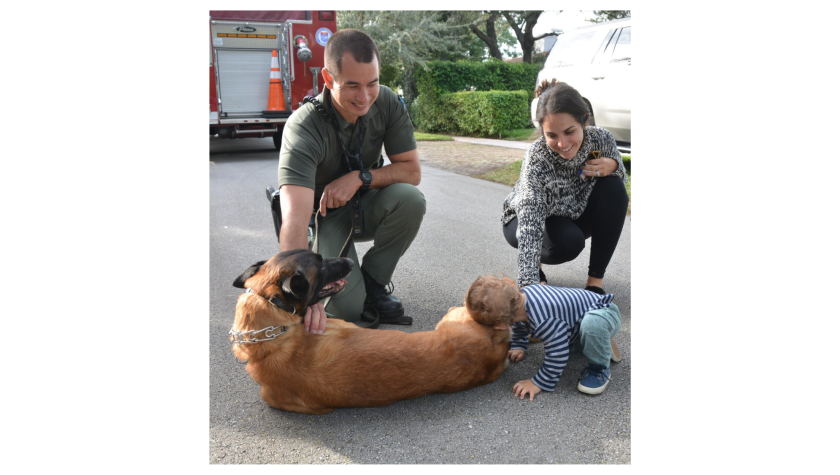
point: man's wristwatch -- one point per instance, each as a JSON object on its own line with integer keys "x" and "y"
{"x": 366, "y": 176}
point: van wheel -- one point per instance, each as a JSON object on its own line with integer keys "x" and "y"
{"x": 277, "y": 137}
{"x": 591, "y": 120}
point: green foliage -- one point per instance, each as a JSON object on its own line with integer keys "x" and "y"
{"x": 429, "y": 114}
{"x": 481, "y": 113}
{"x": 449, "y": 98}
{"x": 488, "y": 113}
{"x": 506, "y": 33}
{"x": 388, "y": 74}
{"x": 408, "y": 38}
{"x": 470, "y": 46}
{"x": 608, "y": 15}
{"x": 539, "y": 59}
{"x": 405, "y": 37}
{"x": 441, "y": 77}
{"x": 506, "y": 39}
{"x": 412, "y": 112}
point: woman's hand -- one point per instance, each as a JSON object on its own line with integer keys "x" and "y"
{"x": 599, "y": 167}
{"x": 315, "y": 320}
{"x": 522, "y": 388}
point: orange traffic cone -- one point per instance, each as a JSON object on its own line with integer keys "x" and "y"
{"x": 276, "y": 101}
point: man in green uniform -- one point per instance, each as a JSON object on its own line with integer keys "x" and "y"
{"x": 320, "y": 173}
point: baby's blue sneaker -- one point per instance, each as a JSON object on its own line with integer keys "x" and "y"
{"x": 594, "y": 379}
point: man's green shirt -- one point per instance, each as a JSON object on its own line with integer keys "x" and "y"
{"x": 310, "y": 154}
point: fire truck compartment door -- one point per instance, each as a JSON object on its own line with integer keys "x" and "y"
{"x": 243, "y": 81}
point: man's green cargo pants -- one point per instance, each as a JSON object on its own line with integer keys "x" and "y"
{"x": 392, "y": 217}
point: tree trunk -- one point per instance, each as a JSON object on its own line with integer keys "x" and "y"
{"x": 490, "y": 38}
{"x": 527, "y": 48}
{"x": 524, "y": 36}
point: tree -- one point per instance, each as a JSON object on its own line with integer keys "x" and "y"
{"x": 521, "y": 22}
{"x": 607, "y": 15}
{"x": 488, "y": 36}
{"x": 493, "y": 31}
{"x": 470, "y": 47}
{"x": 408, "y": 38}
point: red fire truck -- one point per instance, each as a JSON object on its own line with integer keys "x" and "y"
{"x": 241, "y": 45}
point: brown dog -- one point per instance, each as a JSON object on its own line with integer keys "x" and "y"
{"x": 348, "y": 366}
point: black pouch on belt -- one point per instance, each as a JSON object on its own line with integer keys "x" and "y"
{"x": 274, "y": 198}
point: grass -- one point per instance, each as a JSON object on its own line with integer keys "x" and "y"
{"x": 629, "y": 200}
{"x": 523, "y": 135}
{"x": 420, "y": 136}
{"x": 510, "y": 174}
{"x": 506, "y": 176}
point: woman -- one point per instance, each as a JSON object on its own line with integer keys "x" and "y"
{"x": 564, "y": 189}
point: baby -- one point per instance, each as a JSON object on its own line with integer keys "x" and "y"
{"x": 561, "y": 317}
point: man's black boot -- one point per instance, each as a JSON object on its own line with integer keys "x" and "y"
{"x": 390, "y": 309}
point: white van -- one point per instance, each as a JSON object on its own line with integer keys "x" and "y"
{"x": 595, "y": 60}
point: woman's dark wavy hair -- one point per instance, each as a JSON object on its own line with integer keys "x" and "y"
{"x": 556, "y": 97}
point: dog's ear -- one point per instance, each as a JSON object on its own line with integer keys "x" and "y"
{"x": 296, "y": 285}
{"x": 249, "y": 272}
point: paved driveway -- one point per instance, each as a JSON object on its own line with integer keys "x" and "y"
{"x": 460, "y": 239}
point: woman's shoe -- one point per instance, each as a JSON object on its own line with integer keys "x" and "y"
{"x": 597, "y": 290}
{"x": 543, "y": 278}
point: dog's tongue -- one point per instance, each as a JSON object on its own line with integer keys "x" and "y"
{"x": 332, "y": 285}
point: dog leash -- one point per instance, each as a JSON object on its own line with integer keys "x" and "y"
{"x": 345, "y": 249}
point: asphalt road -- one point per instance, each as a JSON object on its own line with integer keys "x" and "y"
{"x": 459, "y": 240}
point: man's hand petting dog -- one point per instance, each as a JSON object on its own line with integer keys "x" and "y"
{"x": 516, "y": 355}
{"x": 522, "y": 388}
{"x": 315, "y": 320}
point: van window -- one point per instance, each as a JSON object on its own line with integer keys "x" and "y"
{"x": 605, "y": 51}
{"x": 622, "y": 48}
{"x": 570, "y": 50}
{"x": 608, "y": 42}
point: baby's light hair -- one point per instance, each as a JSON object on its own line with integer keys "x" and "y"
{"x": 492, "y": 299}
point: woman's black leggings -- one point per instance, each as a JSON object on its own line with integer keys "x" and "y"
{"x": 602, "y": 220}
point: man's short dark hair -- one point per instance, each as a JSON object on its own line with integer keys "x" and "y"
{"x": 356, "y": 42}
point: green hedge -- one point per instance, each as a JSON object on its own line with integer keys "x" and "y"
{"x": 483, "y": 113}
{"x": 473, "y": 98}
{"x": 441, "y": 77}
